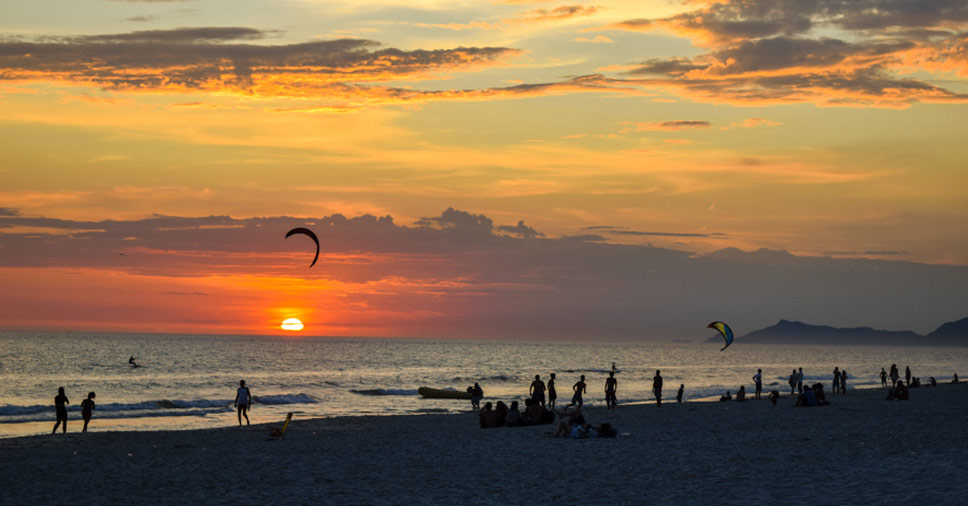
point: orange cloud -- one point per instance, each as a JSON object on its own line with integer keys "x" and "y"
{"x": 672, "y": 125}
{"x": 751, "y": 123}
{"x": 555, "y": 14}
{"x": 598, "y": 39}
{"x": 201, "y": 59}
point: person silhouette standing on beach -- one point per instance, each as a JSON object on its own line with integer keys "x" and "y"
{"x": 843, "y": 382}
{"x": 87, "y": 406}
{"x": 883, "y": 378}
{"x": 60, "y": 406}
{"x": 657, "y": 388}
{"x": 552, "y": 393}
{"x": 243, "y": 399}
{"x": 836, "y": 386}
{"x": 477, "y": 393}
{"x": 894, "y": 375}
{"x": 793, "y": 382}
{"x": 579, "y": 389}
{"x": 800, "y": 381}
{"x": 611, "y": 386}
{"x": 907, "y": 375}
{"x": 537, "y": 390}
{"x": 758, "y": 381}
{"x": 679, "y": 395}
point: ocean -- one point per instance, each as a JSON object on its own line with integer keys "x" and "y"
{"x": 190, "y": 381}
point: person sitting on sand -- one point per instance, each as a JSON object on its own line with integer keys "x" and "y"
{"x": 899, "y": 392}
{"x": 933, "y": 382}
{"x": 514, "y": 416}
{"x": 774, "y": 396}
{"x": 500, "y": 414}
{"x": 532, "y": 412}
{"x": 486, "y": 416}
{"x": 243, "y": 399}
{"x": 569, "y": 417}
{"x": 818, "y": 393}
{"x": 60, "y": 408}
{"x": 741, "y": 394}
{"x": 588, "y": 431}
{"x": 806, "y": 400}
{"x": 679, "y": 395}
{"x": 727, "y": 397}
{"x": 87, "y": 406}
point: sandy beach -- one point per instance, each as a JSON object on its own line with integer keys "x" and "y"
{"x": 860, "y": 450}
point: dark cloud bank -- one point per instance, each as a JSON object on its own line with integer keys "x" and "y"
{"x": 512, "y": 281}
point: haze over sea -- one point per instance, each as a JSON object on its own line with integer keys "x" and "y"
{"x": 189, "y": 381}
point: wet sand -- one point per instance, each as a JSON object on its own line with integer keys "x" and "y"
{"x": 860, "y": 450}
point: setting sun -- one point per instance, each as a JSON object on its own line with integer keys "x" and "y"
{"x": 292, "y": 324}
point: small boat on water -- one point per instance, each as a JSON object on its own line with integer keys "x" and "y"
{"x": 436, "y": 393}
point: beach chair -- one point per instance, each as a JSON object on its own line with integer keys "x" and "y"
{"x": 276, "y": 432}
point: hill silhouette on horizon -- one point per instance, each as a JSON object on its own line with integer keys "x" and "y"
{"x": 794, "y": 332}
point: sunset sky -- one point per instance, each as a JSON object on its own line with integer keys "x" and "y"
{"x": 482, "y": 169}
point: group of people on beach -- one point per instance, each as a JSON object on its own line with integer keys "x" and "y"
{"x": 243, "y": 402}
{"x": 60, "y": 409}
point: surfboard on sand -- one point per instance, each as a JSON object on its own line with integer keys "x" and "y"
{"x": 436, "y": 393}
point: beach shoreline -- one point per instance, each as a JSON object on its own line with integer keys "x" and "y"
{"x": 861, "y": 449}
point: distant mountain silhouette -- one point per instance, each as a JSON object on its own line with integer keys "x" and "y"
{"x": 785, "y": 331}
{"x": 950, "y": 333}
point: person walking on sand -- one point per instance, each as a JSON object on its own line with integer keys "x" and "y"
{"x": 800, "y": 381}
{"x": 836, "y": 386}
{"x": 843, "y": 382}
{"x": 657, "y": 388}
{"x": 87, "y": 406}
{"x": 579, "y": 388}
{"x": 611, "y": 386}
{"x": 793, "y": 382}
{"x": 679, "y": 395}
{"x": 894, "y": 375}
{"x": 243, "y": 399}
{"x": 883, "y": 378}
{"x": 552, "y": 393}
{"x": 537, "y": 390}
{"x": 758, "y": 381}
{"x": 60, "y": 406}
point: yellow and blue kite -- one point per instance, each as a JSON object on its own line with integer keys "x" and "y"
{"x": 724, "y": 330}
